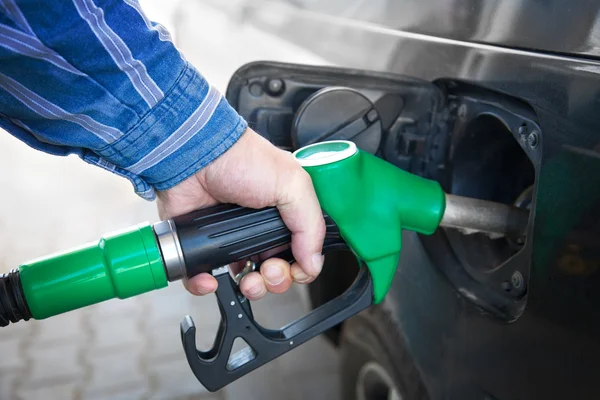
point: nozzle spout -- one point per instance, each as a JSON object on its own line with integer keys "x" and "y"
{"x": 474, "y": 215}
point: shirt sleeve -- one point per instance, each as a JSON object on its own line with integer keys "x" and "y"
{"x": 96, "y": 78}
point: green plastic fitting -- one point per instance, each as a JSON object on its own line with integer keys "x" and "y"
{"x": 371, "y": 201}
{"x": 122, "y": 264}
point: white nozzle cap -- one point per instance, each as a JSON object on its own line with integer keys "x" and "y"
{"x": 325, "y": 153}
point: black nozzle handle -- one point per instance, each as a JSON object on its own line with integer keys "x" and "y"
{"x": 217, "y": 236}
{"x": 223, "y": 234}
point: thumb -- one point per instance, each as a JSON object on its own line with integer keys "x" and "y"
{"x": 300, "y": 210}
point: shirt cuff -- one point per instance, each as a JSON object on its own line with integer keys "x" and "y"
{"x": 191, "y": 127}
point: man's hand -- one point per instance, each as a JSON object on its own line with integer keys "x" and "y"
{"x": 254, "y": 173}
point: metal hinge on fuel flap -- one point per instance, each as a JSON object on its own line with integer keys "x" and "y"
{"x": 419, "y": 142}
{"x": 418, "y": 139}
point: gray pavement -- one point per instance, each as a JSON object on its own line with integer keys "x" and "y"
{"x": 130, "y": 349}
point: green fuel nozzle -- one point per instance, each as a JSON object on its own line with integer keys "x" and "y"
{"x": 372, "y": 201}
{"x": 367, "y": 202}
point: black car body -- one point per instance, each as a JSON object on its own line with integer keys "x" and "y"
{"x": 505, "y": 106}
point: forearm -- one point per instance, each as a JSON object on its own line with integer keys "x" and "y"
{"x": 101, "y": 81}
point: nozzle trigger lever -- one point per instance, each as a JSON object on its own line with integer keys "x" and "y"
{"x": 237, "y": 234}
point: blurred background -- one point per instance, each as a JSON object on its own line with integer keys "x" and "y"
{"x": 131, "y": 349}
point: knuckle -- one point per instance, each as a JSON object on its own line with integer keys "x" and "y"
{"x": 299, "y": 176}
{"x": 307, "y": 181}
{"x": 320, "y": 228}
{"x": 296, "y": 183}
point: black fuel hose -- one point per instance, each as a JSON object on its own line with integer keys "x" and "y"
{"x": 13, "y": 307}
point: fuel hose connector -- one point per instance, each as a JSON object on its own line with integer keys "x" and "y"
{"x": 119, "y": 265}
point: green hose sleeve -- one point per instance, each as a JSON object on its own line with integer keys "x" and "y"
{"x": 121, "y": 264}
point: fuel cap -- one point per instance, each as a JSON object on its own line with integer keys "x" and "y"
{"x": 337, "y": 113}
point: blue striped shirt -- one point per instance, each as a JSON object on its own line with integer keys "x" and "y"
{"x": 96, "y": 78}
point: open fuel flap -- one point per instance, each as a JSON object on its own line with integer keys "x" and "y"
{"x": 475, "y": 142}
